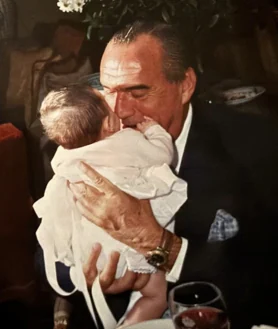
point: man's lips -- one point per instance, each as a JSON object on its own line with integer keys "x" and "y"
{"x": 128, "y": 126}
{"x": 132, "y": 121}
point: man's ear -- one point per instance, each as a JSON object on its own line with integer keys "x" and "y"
{"x": 188, "y": 85}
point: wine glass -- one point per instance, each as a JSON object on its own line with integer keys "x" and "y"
{"x": 198, "y": 305}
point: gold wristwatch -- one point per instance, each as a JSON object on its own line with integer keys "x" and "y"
{"x": 160, "y": 255}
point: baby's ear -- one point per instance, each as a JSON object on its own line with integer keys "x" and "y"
{"x": 104, "y": 132}
{"x": 114, "y": 124}
{"x": 105, "y": 124}
{"x": 110, "y": 125}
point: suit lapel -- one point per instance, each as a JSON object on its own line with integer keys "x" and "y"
{"x": 210, "y": 176}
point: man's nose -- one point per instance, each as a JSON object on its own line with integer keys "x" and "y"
{"x": 123, "y": 106}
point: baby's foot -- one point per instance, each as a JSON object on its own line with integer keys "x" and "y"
{"x": 146, "y": 124}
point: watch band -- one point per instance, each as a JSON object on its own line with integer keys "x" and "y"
{"x": 160, "y": 255}
{"x": 166, "y": 241}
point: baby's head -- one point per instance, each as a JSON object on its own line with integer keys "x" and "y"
{"x": 76, "y": 116}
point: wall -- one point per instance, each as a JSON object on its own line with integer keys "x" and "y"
{"x": 31, "y": 12}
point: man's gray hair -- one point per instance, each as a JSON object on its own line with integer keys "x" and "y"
{"x": 175, "y": 59}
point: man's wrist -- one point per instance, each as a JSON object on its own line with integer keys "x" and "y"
{"x": 173, "y": 253}
{"x": 150, "y": 242}
{"x": 155, "y": 242}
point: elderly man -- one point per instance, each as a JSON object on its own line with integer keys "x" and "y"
{"x": 227, "y": 230}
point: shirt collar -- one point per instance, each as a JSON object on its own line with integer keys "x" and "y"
{"x": 180, "y": 142}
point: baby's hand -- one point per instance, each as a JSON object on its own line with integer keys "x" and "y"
{"x": 144, "y": 125}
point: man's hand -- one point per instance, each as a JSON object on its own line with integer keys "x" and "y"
{"x": 108, "y": 282}
{"x": 124, "y": 217}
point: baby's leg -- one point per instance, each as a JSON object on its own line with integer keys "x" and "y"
{"x": 153, "y": 302}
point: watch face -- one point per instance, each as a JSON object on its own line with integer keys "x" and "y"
{"x": 157, "y": 258}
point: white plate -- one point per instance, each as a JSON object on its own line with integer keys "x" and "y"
{"x": 154, "y": 324}
{"x": 263, "y": 326}
{"x": 241, "y": 95}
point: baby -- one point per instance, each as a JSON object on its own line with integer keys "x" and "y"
{"x": 79, "y": 120}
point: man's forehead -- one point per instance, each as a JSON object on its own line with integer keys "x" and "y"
{"x": 120, "y": 66}
{"x": 115, "y": 74}
{"x": 133, "y": 58}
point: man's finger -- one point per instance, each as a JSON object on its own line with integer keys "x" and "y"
{"x": 92, "y": 261}
{"x": 77, "y": 190}
{"x": 88, "y": 214}
{"x": 82, "y": 191}
{"x": 90, "y": 268}
{"x": 100, "y": 182}
{"x": 107, "y": 276}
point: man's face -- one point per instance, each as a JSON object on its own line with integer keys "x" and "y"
{"x": 135, "y": 86}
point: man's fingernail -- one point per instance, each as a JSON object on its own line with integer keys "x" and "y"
{"x": 81, "y": 166}
{"x": 96, "y": 246}
{"x": 114, "y": 254}
{"x": 72, "y": 187}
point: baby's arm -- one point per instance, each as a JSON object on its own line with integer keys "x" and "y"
{"x": 158, "y": 139}
{"x": 153, "y": 302}
{"x": 146, "y": 124}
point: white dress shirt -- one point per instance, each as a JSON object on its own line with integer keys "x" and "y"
{"x": 180, "y": 143}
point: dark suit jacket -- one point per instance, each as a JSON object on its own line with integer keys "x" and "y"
{"x": 231, "y": 162}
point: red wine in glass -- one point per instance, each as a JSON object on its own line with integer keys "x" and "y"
{"x": 202, "y": 318}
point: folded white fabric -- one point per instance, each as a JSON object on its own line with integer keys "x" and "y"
{"x": 141, "y": 170}
{"x": 137, "y": 171}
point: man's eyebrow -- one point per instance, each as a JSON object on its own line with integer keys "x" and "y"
{"x": 135, "y": 87}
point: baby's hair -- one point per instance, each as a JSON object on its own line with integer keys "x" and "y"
{"x": 72, "y": 116}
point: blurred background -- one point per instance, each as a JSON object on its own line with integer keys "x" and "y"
{"x": 233, "y": 46}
